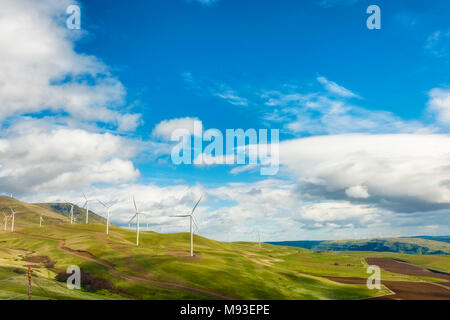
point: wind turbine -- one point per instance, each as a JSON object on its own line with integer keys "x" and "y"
{"x": 40, "y": 221}
{"x": 136, "y": 215}
{"x": 108, "y": 209}
{"x": 5, "y": 219}
{"x": 259, "y": 238}
{"x": 13, "y": 213}
{"x": 71, "y": 210}
{"x": 87, "y": 207}
{"x": 191, "y": 221}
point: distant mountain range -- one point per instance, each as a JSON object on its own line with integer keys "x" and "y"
{"x": 410, "y": 245}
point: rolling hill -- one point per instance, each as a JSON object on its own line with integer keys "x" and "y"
{"x": 416, "y": 245}
{"x": 161, "y": 268}
{"x": 28, "y": 214}
{"x": 78, "y": 213}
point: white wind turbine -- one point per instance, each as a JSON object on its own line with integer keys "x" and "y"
{"x": 87, "y": 207}
{"x": 136, "y": 215}
{"x": 108, "y": 209}
{"x": 259, "y": 238}
{"x": 71, "y": 210}
{"x": 40, "y": 221}
{"x": 5, "y": 220}
{"x": 191, "y": 221}
{"x": 13, "y": 214}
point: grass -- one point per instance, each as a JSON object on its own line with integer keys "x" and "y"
{"x": 237, "y": 270}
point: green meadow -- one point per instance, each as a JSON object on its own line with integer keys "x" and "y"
{"x": 161, "y": 268}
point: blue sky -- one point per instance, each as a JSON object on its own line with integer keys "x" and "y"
{"x": 250, "y": 47}
{"x": 363, "y": 114}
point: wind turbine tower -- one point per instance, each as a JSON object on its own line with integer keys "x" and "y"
{"x": 191, "y": 222}
{"x": 87, "y": 207}
{"x": 108, "y": 210}
{"x": 136, "y": 216}
{"x": 13, "y": 214}
{"x": 71, "y": 210}
{"x": 5, "y": 220}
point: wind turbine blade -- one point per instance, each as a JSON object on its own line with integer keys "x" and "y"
{"x": 135, "y": 206}
{"x": 102, "y": 203}
{"x": 195, "y": 223}
{"x": 112, "y": 204}
{"x": 196, "y": 204}
{"x": 84, "y": 196}
{"x": 132, "y": 218}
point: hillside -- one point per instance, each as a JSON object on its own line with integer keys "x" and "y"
{"x": 417, "y": 245}
{"x": 443, "y": 239}
{"x": 161, "y": 268}
{"x": 78, "y": 213}
{"x": 28, "y": 214}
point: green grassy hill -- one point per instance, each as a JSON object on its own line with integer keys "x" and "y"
{"x": 28, "y": 214}
{"x": 161, "y": 268}
{"x": 78, "y": 213}
{"x": 400, "y": 245}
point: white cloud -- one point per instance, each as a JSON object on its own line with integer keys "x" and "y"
{"x": 165, "y": 128}
{"x": 320, "y": 114}
{"x": 439, "y": 104}
{"x": 336, "y": 89}
{"x": 339, "y": 211}
{"x": 404, "y": 172}
{"x": 357, "y": 192}
{"x": 36, "y": 156}
{"x": 437, "y": 43}
{"x": 207, "y": 87}
{"x": 40, "y": 70}
{"x": 231, "y": 97}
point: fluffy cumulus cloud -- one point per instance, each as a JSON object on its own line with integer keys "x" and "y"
{"x": 39, "y": 157}
{"x": 439, "y": 104}
{"x": 357, "y": 192}
{"x": 339, "y": 212}
{"x": 64, "y": 95}
{"x": 34, "y": 40}
{"x": 402, "y": 172}
{"x": 157, "y": 203}
{"x": 166, "y": 128}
